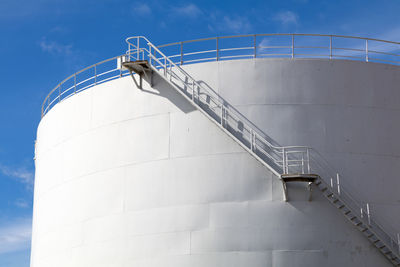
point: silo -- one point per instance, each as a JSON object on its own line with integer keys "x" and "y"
{"x": 186, "y": 155}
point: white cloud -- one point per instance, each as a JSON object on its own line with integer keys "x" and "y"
{"x": 141, "y": 9}
{"x": 21, "y": 174}
{"x": 15, "y": 236}
{"x": 189, "y": 10}
{"x": 58, "y": 29}
{"x": 21, "y": 203}
{"x": 225, "y": 23}
{"x": 53, "y": 47}
{"x": 237, "y": 24}
{"x": 286, "y": 17}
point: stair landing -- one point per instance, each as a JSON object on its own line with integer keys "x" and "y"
{"x": 298, "y": 177}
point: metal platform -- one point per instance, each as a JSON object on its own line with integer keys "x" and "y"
{"x": 298, "y": 177}
{"x": 142, "y": 68}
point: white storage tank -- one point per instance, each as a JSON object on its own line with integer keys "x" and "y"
{"x": 129, "y": 176}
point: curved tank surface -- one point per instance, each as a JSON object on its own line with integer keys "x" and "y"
{"x": 140, "y": 177}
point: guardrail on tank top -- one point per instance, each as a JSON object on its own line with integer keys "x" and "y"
{"x": 238, "y": 47}
{"x": 98, "y": 73}
{"x": 283, "y": 46}
{"x": 289, "y": 159}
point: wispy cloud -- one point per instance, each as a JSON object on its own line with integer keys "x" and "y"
{"x": 72, "y": 58}
{"x": 54, "y": 47}
{"x": 189, "y": 10}
{"x": 225, "y": 23}
{"x": 22, "y": 175}
{"x": 287, "y": 17}
{"x": 21, "y": 203}
{"x": 58, "y": 29}
{"x": 236, "y": 24}
{"x": 141, "y": 9}
{"x": 15, "y": 236}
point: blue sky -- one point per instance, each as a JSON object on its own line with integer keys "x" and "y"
{"x": 43, "y": 41}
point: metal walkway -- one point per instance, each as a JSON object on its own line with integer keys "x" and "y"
{"x": 282, "y": 161}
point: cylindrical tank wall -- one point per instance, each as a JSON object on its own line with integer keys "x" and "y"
{"x": 347, "y": 110}
{"x": 129, "y": 177}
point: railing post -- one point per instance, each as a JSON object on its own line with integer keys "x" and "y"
{"x": 366, "y": 50}
{"x": 302, "y": 162}
{"x": 150, "y": 56}
{"x": 165, "y": 65}
{"x": 330, "y": 47}
{"x": 398, "y": 241}
{"x": 59, "y": 93}
{"x": 95, "y": 74}
{"x": 251, "y": 140}
{"x": 284, "y": 160}
{"x": 222, "y": 115}
{"x": 255, "y": 46}
{"x": 122, "y": 59}
{"x": 137, "y": 48}
{"x": 368, "y": 215}
{"x": 292, "y": 45}
{"x": 217, "y": 50}
{"x": 181, "y": 53}
{"x": 254, "y": 141}
{"x": 193, "y": 96}
{"x": 392, "y": 243}
{"x": 338, "y": 183}
{"x": 308, "y": 161}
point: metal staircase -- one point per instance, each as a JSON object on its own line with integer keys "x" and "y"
{"x": 146, "y": 59}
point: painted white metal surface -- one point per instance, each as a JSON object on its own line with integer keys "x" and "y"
{"x": 347, "y": 110}
{"x": 138, "y": 178}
